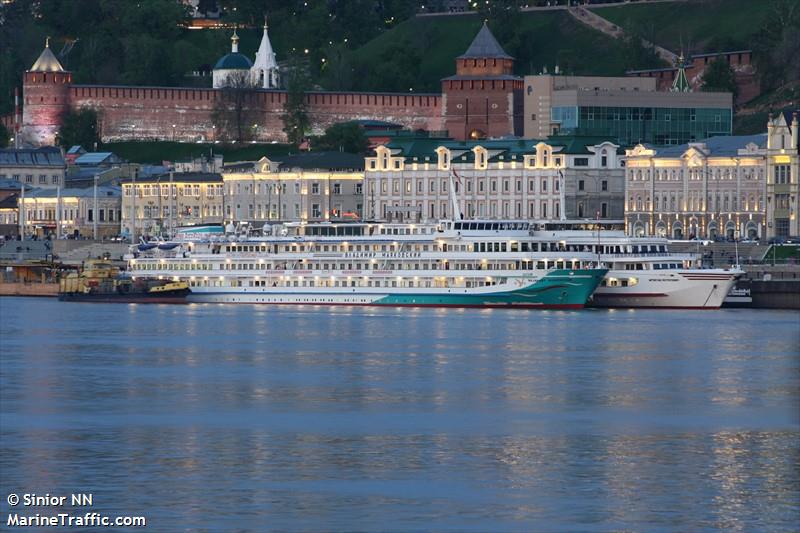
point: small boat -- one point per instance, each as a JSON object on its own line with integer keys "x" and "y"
{"x": 101, "y": 281}
{"x": 168, "y": 245}
{"x": 146, "y": 246}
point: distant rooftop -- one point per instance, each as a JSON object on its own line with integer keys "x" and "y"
{"x": 322, "y": 161}
{"x": 96, "y": 158}
{"x": 46, "y": 156}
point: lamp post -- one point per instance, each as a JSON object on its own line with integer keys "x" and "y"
{"x": 133, "y": 206}
{"x": 94, "y": 209}
{"x": 22, "y": 212}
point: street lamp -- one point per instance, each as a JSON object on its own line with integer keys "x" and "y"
{"x": 94, "y": 209}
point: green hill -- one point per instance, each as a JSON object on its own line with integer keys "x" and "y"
{"x": 422, "y": 50}
{"x": 697, "y": 26}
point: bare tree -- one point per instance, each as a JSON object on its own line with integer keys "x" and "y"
{"x": 234, "y": 108}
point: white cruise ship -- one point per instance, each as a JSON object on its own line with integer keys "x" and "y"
{"x": 642, "y": 270}
{"x": 488, "y": 263}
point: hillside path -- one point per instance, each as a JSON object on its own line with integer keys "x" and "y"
{"x": 593, "y": 20}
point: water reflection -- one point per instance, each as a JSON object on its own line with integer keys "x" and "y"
{"x": 375, "y": 419}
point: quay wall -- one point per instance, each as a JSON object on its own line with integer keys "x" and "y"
{"x": 28, "y": 289}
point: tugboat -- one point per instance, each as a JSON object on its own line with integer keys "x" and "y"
{"x": 101, "y": 281}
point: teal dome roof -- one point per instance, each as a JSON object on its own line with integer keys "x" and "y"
{"x": 234, "y": 60}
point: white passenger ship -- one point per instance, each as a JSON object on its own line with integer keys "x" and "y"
{"x": 476, "y": 264}
{"x": 642, "y": 270}
{"x": 455, "y": 263}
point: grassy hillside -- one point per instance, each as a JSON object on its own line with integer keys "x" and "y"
{"x": 698, "y": 26}
{"x": 540, "y": 39}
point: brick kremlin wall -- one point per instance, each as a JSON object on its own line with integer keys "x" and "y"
{"x": 185, "y": 114}
{"x": 740, "y": 61}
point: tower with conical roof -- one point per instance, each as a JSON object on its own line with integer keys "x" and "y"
{"x": 46, "y": 96}
{"x": 265, "y": 68}
{"x": 484, "y": 98}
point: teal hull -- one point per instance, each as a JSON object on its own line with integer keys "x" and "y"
{"x": 563, "y": 288}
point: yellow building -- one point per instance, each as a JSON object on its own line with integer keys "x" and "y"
{"x": 783, "y": 175}
{"x": 161, "y": 203}
{"x": 71, "y": 212}
{"x": 313, "y": 186}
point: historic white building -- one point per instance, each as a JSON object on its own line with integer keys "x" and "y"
{"x": 236, "y": 69}
{"x": 715, "y": 187}
{"x": 563, "y": 178}
{"x": 783, "y": 175}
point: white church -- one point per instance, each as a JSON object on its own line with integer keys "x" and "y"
{"x": 263, "y": 72}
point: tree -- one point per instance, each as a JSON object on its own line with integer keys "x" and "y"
{"x": 234, "y": 107}
{"x": 344, "y": 137}
{"x": 776, "y": 45}
{"x": 4, "y": 136}
{"x": 79, "y": 127}
{"x": 720, "y": 77}
{"x": 295, "y": 112}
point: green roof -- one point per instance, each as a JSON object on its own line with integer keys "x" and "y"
{"x": 233, "y": 61}
{"x": 499, "y": 149}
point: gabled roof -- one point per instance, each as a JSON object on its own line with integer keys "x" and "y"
{"x": 485, "y": 46}
{"x": 47, "y": 61}
{"x": 96, "y": 158}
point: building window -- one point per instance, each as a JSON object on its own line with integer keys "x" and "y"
{"x": 604, "y": 185}
{"x": 604, "y": 210}
{"x": 544, "y": 184}
{"x": 359, "y": 188}
{"x": 28, "y": 178}
{"x": 581, "y": 161}
{"x": 580, "y": 185}
{"x": 397, "y": 164}
{"x": 315, "y": 211}
{"x": 315, "y": 188}
{"x": 604, "y": 161}
{"x": 55, "y": 179}
{"x": 782, "y": 175}
{"x": 337, "y": 188}
{"x": 90, "y": 218}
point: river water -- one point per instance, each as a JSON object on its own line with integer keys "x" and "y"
{"x": 257, "y": 418}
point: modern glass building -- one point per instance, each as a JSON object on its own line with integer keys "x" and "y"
{"x": 628, "y": 110}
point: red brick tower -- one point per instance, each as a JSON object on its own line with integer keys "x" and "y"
{"x": 45, "y": 91}
{"x": 484, "y": 98}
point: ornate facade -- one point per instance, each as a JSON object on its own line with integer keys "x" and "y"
{"x": 563, "y": 178}
{"x": 705, "y": 190}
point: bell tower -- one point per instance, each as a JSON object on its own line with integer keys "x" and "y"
{"x": 45, "y": 92}
{"x": 484, "y": 98}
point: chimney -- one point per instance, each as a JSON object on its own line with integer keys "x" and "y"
{"x": 795, "y": 126}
